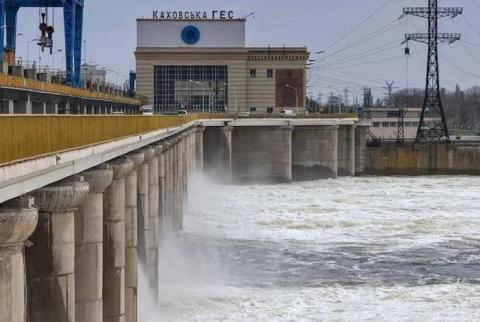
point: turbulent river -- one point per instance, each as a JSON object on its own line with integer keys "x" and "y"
{"x": 352, "y": 249}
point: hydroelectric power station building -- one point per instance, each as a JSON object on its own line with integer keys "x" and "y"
{"x": 202, "y": 63}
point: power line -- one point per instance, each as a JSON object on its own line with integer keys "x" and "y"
{"x": 366, "y": 63}
{"x": 469, "y": 52}
{"x": 367, "y": 53}
{"x": 459, "y": 68}
{"x": 368, "y": 37}
{"x": 475, "y": 3}
{"x": 471, "y": 25}
{"x": 358, "y": 25}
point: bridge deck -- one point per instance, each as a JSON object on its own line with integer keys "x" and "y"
{"x": 33, "y": 85}
{"x": 30, "y": 136}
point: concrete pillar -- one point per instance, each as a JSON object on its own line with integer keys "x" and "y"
{"x": 167, "y": 223}
{"x": 56, "y": 108}
{"x": 18, "y": 219}
{"x": 175, "y": 183}
{"x": 28, "y": 108}
{"x": 142, "y": 201}
{"x": 161, "y": 191}
{"x": 262, "y": 154}
{"x": 114, "y": 242}
{"x": 314, "y": 152}
{"x": 89, "y": 247}
{"x": 44, "y": 108}
{"x": 346, "y": 150}
{"x": 181, "y": 182}
{"x": 131, "y": 258}
{"x": 153, "y": 219}
{"x": 217, "y": 147}
{"x": 50, "y": 260}
{"x": 11, "y": 106}
{"x": 67, "y": 107}
{"x": 360, "y": 149}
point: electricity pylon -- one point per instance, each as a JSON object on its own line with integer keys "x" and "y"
{"x": 436, "y": 129}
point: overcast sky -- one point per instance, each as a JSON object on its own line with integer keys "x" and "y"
{"x": 367, "y": 56}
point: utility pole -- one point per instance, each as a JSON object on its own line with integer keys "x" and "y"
{"x": 346, "y": 91}
{"x": 435, "y": 130}
{"x": 390, "y": 89}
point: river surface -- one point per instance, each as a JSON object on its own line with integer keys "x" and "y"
{"x": 352, "y": 249}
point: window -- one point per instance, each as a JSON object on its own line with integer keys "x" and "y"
{"x": 269, "y": 73}
{"x": 393, "y": 124}
{"x": 253, "y": 73}
{"x": 376, "y": 124}
{"x": 392, "y": 114}
{"x": 190, "y": 87}
{"x": 253, "y": 109}
{"x": 269, "y": 110}
{"x": 385, "y": 124}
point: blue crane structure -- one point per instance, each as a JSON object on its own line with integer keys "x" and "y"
{"x": 73, "y": 21}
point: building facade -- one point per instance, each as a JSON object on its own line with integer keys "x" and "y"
{"x": 204, "y": 65}
{"x": 385, "y": 122}
{"x": 92, "y": 74}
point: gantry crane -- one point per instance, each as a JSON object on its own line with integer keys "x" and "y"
{"x": 73, "y": 21}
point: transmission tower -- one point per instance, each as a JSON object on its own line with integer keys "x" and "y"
{"x": 436, "y": 129}
{"x": 390, "y": 89}
{"x": 401, "y": 125}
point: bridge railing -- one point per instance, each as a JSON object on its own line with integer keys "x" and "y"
{"x": 24, "y": 137}
{"x": 31, "y": 84}
{"x": 30, "y": 136}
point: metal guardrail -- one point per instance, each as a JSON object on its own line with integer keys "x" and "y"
{"x": 29, "y": 136}
{"x": 30, "y": 84}
{"x": 24, "y": 137}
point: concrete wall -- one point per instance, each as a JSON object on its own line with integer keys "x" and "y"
{"x": 168, "y": 33}
{"x": 262, "y": 154}
{"x": 423, "y": 159}
{"x": 346, "y": 150}
{"x": 315, "y": 152}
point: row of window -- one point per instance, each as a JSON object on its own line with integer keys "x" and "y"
{"x": 394, "y": 124}
{"x": 397, "y": 114}
{"x": 253, "y": 73}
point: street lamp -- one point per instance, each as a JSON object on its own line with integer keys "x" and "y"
{"x": 236, "y": 93}
{"x": 28, "y": 47}
{"x": 53, "y": 58}
{"x": 296, "y": 93}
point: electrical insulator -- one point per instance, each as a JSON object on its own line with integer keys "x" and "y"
{"x": 407, "y": 51}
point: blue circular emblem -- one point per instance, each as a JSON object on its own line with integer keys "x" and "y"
{"x": 190, "y": 35}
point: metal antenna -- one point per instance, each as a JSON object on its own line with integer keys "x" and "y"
{"x": 435, "y": 130}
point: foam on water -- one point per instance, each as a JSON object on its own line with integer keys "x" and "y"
{"x": 375, "y": 248}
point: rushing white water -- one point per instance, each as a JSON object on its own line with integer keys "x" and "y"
{"x": 352, "y": 249}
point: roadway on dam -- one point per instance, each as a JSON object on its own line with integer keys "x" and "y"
{"x": 376, "y": 248}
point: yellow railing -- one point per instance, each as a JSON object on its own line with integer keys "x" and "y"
{"x": 30, "y": 84}
{"x": 23, "y": 137}
{"x": 28, "y": 136}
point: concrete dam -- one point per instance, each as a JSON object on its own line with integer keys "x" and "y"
{"x": 82, "y": 211}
